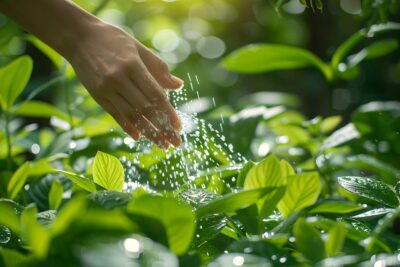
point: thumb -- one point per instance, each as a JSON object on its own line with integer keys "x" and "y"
{"x": 159, "y": 70}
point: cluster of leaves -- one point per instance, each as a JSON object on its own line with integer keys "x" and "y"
{"x": 256, "y": 58}
{"x": 372, "y": 12}
{"x": 307, "y": 202}
{"x": 311, "y": 194}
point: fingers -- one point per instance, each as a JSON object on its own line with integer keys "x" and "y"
{"x": 155, "y": 113}
{"x": 156, "y": 97}
{"x": 125, "y": 124}
{"x": 159, "y": 69}
{"x": 143, "y": 124}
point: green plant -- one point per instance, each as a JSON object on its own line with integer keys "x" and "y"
{"x": 269, "y": 188}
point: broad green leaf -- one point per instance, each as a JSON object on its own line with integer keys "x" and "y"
{"x": 9, "y": 217}
{"x": 257, "y": 58}
{"x": 341, "y": 136}
{"x": 13, "y": 79}
{"x": 397, "y": 188}
{"x": 308, "y": 241}
{"x": 377, "y": 49}
{"x": 371, "y": 189}
{"x": 384, "y": 171}
{"x": 243, "y": 173}
{"x": 302, "y": 191}
{"x": 364, "y": 34}
{"x": 330, "y": 123}
{"x": 176, "y": 217}
{"x": 197, "y": 197}
{"x": 46, "y": 217}
{"x": 108, "y": 172}
{"x": 56, "y": 194}
{"x": 356, "y": 228}
{"x": 374, "y": 213}
{"x": 336, "y": 237}
{"x": 337, "y": 207}
{"x": 18, "y": 180}
{"x": 234, "y": 201}
{"x": 267, "y": 173}
{"x": 110, "y": 199}
{"x": 39, "y": 109}
{"x": 80, "y": 181}
{"x": 37, "y": 237}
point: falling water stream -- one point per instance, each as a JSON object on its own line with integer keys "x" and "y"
{"x": 204, "y": 152}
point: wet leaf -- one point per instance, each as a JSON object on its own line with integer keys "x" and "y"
{"x": 108, "y": 172}
{"x": 177, "y": 218}
{"x": 370, "y": 188}
{"x": 302, "y": 191}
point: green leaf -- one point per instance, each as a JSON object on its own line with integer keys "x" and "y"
{"x": 308, "y": 241}
{"x": 377, "y": 49}
{"x": 257, "y": 58}
{"x": 37, "y": 237}
{"x": 330, "y": 123}
{"x": 243, "y": 173}
{"x": 13, "y": 79}
{"x": 302, "y": 191}
{"x": 397, "y": 188}
{"x": 18, "y": 180}
{"x": 336, "y": 237}
{"x": 364, "y": 34}
{"x": 39, "y": 109}
{"x": 371, "y": 189}
{"x": 56, "y": 194}
{"x": 337, "y": 207}
{"x": 9, "y": 216}
{"x": 176, "y": 217}
{"x": 108, "y": 172}
{"x": 80, "y": 181}
{"x": 268, "y": 173}
{"x": 234, "y": 201}
{"x": 374, "y": 213}
{"x": 110, "y": 199}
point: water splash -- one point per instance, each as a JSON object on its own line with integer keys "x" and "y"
{"x": 204, "y": 158}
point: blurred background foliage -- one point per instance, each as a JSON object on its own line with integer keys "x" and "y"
{"x": 193, "y": 37}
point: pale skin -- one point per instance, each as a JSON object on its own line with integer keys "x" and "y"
{"x": 120, "y": 73}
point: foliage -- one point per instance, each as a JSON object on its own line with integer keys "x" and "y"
{"x": 269, "y": 188}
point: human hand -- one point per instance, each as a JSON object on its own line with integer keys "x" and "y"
{"x": 128, "y": 81}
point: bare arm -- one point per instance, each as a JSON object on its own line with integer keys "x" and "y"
{"x": 121, "y": 74}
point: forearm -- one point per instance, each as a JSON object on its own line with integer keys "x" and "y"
{"x": 59, "y": 23}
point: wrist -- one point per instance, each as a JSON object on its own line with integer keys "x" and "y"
{"x": 80, "y": 28}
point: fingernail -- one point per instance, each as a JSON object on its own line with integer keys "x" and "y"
{"x": 179, "y": 82}
{"x": 177, "y": 125}
{"x": 176, "y": 140}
